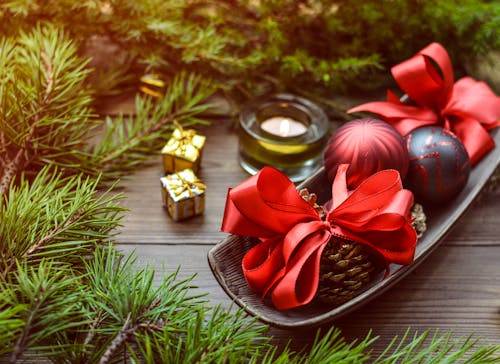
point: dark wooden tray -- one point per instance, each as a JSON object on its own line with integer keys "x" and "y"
{"x": 225, "y": 257}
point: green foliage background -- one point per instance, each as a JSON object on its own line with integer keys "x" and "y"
{"x": 254, "y": 46}
{"x": 66, "y": 295}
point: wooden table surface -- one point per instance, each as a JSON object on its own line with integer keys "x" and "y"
{"x": 456, "y": 289}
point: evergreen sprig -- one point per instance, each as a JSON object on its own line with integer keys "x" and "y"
{"x": 54, "y": 217}
{"x": 327, "y": 347}
{"x": 47, "y": 301}
{"x": 123, "y": 305}
{"x": 128, "y": 141}
{"x": 217, "y": 336}
{"x": 10, "y": 324}
{"x": 43, "y": 104}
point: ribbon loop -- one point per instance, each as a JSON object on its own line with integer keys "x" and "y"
{"x": 286, "y": 261}
{"x": 468, "y": 108}
{"x": 265, "y": 205}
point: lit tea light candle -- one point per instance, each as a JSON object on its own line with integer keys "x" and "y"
{"x": 285, "y": 131}
{"x": 283, "y": 127}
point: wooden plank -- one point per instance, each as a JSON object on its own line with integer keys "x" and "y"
{"x": 481, "y": 224}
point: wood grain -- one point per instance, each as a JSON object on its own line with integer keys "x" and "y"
{"x": 456, "y": 288}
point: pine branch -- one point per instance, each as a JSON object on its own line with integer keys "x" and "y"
{"x": 128, "y": 305}
{"x": 129, "y": 141}
{"x": 234, "y": 42}
{"x": 38, "y": 245}
{"x": 327, "y": 347}
{"x": 43, "y": 111}
{"x": 47, "y": 293}
{"x": 151, "y": 323}
{"x": 128, "y": 331}
{"x": 43, "y": 108}
{"x": 21, "y": 159}
{"x": 223, "y": 336}
{"x": 54, "y": 217}
{"x": 125, "y": 332}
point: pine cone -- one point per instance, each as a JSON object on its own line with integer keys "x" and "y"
{"x": 344, "y": 269}
{"x": 312, "y": 199}
{"x": 419, "y": 219}
{"x": 347, "y": 266}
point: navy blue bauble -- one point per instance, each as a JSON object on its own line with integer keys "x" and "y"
{"x": 439, "y": 165}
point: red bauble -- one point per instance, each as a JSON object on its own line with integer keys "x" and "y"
{"x": 368, "y": 145}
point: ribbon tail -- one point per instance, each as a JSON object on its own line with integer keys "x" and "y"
{"x": 476, "y": 140}
{"x": 300, "y": 282}
{"x": 474, "y": 100}
{"x": 268, "y": 263}
{"x": 406, "y": 251}
{"x": 403, "y": 117}
{"x": 262, "y": 265}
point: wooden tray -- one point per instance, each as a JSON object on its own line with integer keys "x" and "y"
{"x": 225, "y": 257}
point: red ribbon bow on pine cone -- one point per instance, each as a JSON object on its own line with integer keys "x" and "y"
{"x": 286, "y": 261}
{"x": 468, "y": 108}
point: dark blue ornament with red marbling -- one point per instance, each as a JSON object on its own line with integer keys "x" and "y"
{"x": 439, "y": 165}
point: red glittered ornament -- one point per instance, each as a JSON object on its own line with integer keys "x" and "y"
{"x": 368, "y": 145}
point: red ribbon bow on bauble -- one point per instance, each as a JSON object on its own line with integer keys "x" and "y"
{"x": 286, "y": 261}
{"x": 468, "y": 108}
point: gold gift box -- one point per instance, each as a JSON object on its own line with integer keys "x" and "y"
{"x": 183, "y": 150}
{"x": 152, "y": 84}
{"x": 183, "y": 194}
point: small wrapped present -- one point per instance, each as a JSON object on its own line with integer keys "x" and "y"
{"x": 183, "y": 150}
{"x": 183, "y": 194}
{"x": 153, "y": 85}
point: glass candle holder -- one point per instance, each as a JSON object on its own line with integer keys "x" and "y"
{"x": 285, "y": 131}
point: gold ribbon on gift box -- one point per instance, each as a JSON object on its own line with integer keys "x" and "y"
{"x": 183, "y": 150}
{"x": 183, "y": 181}
{"x": 183, "y": 194}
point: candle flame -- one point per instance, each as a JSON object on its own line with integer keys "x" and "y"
{"x": 284, "y": 127}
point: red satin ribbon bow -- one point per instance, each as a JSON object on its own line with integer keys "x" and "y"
{"x": 286, "y": 261}
{"x": 468, "y": 108}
